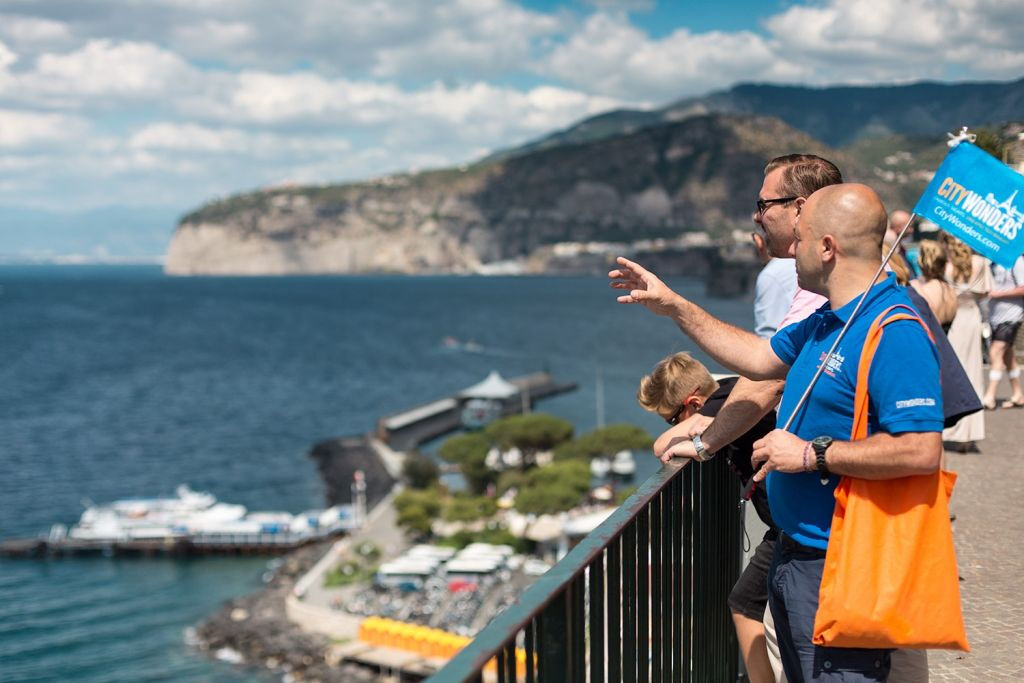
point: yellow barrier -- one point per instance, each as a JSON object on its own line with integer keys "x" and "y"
{"x": 429, "y": 642}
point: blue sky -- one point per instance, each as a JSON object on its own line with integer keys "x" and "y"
{"x": 169, "y": 103}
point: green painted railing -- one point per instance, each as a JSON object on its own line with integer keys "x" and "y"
{"x": 641, "y": 598}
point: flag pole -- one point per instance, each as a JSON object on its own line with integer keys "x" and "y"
{"x": 749, "y": 488}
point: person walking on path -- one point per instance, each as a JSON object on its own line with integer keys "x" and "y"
{"x": 971, "y": 279}
{"x": 1006, "y": 313}
{"x": 838, "y": 250}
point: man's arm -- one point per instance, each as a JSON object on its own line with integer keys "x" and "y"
{"x": 740, "y": 351}
{"x": 747, "y": 403}
{"x": 880, "y": 456}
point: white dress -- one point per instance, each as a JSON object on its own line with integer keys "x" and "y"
{"x": 965, "y": 338}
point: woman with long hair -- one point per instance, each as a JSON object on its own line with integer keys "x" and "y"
{"x": 932, "y": 285}
{"x": 969, "y": 275}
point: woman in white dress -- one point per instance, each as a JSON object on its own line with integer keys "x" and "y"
{"x": 970, "y": 277}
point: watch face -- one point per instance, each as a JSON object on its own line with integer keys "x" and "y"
{"x": 822, "y": 440}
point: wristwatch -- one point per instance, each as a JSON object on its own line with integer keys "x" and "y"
{"x": 820, "y": 445}
{"x": 698, "y": 446}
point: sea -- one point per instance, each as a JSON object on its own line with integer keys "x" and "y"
{"x": 117, "y": 381}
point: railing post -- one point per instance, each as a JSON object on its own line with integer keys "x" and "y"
{"x": 614, "y": 609}
{"x": 656, "y": 590}
{"x": 554, "y": 653}
{"x": 644, "y": 593}
{"x": 629, "y": 598}
{"x": 597, "y": 591}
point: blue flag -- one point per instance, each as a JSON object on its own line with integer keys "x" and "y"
{"x": 980, "y": 200}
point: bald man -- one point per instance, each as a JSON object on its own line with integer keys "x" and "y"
{"x": 837, "y": 247}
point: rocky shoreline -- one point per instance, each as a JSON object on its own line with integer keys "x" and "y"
{"x": 254, "y": 629}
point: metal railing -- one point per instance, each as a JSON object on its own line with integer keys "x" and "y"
{"x": 641, "y": 598}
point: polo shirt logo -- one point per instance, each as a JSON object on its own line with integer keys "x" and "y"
{"x": 914, "y": 402}
{"x": 835, "y": 363}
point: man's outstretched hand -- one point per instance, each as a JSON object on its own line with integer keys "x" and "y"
{"x": 643, "y": 287}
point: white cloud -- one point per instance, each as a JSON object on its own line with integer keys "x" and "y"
{"x": 22, "y": 129}
{"x": 851, "y": 40}
{"x": 105, "y": 68}
{"x": 475, "y": 110}
{"x": 837, "y": 41}
{"x": 611, "y": 56}
{"x": 7, "y": 57}
{"x": 190, "y": 137}
{"x": 469, "y": 37}
{"x": 28, "y": 31}
{"x": 212, "y": 38}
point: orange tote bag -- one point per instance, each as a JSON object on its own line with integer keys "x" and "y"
{"x": 890, "y": 578}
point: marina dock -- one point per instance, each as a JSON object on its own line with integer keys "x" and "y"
{"x": 494, "y": 397}
{"x": 261, "y": 544}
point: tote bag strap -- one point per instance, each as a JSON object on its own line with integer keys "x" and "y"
{"x": 867, "y": 354}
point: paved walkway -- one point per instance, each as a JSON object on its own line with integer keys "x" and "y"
{"x": 989, "y": 533}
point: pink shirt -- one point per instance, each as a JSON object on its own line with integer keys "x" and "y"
{"x": 804, "y": 303}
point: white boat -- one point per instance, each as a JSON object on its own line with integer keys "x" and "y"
{"x": 197, "y": 516}
{"x": 600, "y": 466}
{"x": 623, "y": 463}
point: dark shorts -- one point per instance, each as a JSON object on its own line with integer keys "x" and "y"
{"x": 793, "y": 583}
{"x": 1005, "y": 332}
{"x": 750, "y": 594}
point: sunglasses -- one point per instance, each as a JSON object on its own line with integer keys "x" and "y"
{"x": 674, "y": 419}
{"x": 763, "y": 204}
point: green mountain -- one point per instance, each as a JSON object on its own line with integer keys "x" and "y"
{"x": 836, "y": 115}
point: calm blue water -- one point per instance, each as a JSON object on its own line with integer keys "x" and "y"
{"x": 117, "y": 382}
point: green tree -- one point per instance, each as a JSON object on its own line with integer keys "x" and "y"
{"x": 605, "y": 441}
{"x": 419, "y": 471}
{"x": 417, "y": 509}
{"x": 463, "y": 446}
{"x": 428, "y": 500}
{"x": 477, "y": 474}
{"x": 529, "y": 433}
{"x": 464, "y": 508}
{"x": 555, "y": 488}
{"x": 510, "y": 479}
{"x": 415, "y": 520}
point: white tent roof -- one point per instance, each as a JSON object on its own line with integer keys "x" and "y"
{"x": 584, "y": 524}
{"x": 493, "y": 387}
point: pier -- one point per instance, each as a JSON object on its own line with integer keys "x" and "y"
{"x": 256, "y": 544}
{"x": 408, "y": 429}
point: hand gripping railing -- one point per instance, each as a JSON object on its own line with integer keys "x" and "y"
{"x": 641, "y": 598}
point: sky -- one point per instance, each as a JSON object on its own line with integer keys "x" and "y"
{"x": 162, "y": 105}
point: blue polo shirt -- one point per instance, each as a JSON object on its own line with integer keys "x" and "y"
{"x": 903, "y": 389}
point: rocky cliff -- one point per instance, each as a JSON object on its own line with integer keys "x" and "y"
{"x": 702, "y": 173}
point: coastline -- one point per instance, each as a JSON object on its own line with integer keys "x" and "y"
{"x": 258, "y": 629}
